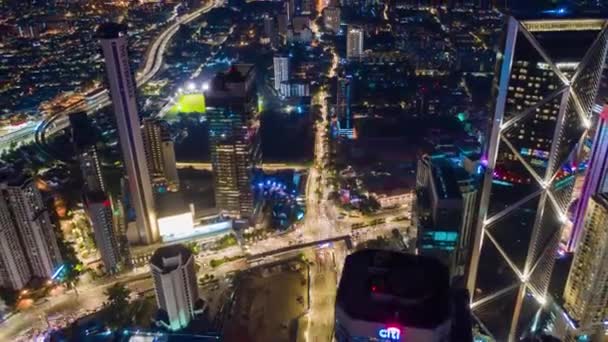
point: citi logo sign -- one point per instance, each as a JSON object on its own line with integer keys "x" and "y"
{"x": 392, "y": 333}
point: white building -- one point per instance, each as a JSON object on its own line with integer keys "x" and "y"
{"x": 113, "y": 39}
{"x": 175, "y": 285}
{"x": 298, "y": 88}
{"x": 354, "y": 42}
{"x": 23, "y": 212}
{"x": 14, "y": 271}
{"x": 394, "y": 197}
{"x": 281, "y": 74}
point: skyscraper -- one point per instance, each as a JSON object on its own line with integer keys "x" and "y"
{"x": 113, "y": 39}
{"x": 281, "y": 74}
{"x": 392, "y": 296}
{"x": 354, "y": 42}
{"x": 549, "y": 72}
{"x": 596, "y": 179}
{"x": 233, "y": 138}
{"x": 174, "y": 278}
{"x": 14, "y": 269}
{"x": 31, "y": 220}
{"x": 343, "y": 110}
{"x": 585, "y": 295}
{"x": 160, "y": 154}
{"x": 446, "y": 196}
{"x": 83, "y": 138}
{"x": 99, "y": 209}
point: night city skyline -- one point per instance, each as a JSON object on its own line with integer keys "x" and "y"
{"x": 304, "y": 170}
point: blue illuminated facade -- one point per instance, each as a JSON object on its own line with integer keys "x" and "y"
{"x": 446, "y": 195}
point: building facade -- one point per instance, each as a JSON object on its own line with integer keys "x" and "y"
{"x": 113, "y": 38}
{"x": 160, "y": 154}
{"x": 281, "y": 74}
{"x": 331, "y": 19}
{"x": 354, "y": 42}
{"x": 544, "y": 95}
{"x": 14, "y": 270}
{"x": 175, "y": 284}
{"x": 586, "y": 292}
{"x": 234, "y": 139}
{"x": 392, "y": 296}
{"x": 596, "y": 179}
{"x": 99, "y": 210}
{"x": 343, "y": 112}
{"x": 446, "y": 197}
{"x": 84, "y": 140}
{"x": 26, "y": 217}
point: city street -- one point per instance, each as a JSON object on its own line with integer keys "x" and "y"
{"x": 319, "y": 225}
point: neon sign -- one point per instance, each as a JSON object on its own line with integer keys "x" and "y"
{"x": 392, "y": 333}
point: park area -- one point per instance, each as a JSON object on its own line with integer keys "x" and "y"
{"x": 269, "y": 301}
{"x": 187, "y": 104}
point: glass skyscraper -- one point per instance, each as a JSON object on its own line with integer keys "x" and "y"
{"x": 547, "y": 77}
{"x": 233, "y": 138}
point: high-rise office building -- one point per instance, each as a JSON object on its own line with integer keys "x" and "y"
{"x": 175, "y": 285}
{"x": 281, "y": 74}
{"x": 545, "y": 93}
{"x": 446, "y": 197}
{"x": 99, "y": 209}
{"x": 113, "y": 39}
{"x": 343, "y": 107}
{"x": 586, "y": 292}
{"x": 354, "y": 42}
{"x": 33, "y": 224}
{"x": 596, "y": 179}
{"x": 160, "y": 154}
{"x": 392, "y": 296}
{"x": 233, "y": 138}
{"x": 84, "y": 140}
{"x": 331, "y": 18}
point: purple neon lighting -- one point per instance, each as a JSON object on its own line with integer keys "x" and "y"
{"x": 595, "y": 178}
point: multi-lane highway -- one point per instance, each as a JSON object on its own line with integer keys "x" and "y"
{"x": 154, "y": 60}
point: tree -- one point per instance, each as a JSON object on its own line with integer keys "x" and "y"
{"x": 73, "y": 266}
{"x": 9, "y": 296}
{"x": 194, "y": 247}
{"x": 116, "y": 303}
